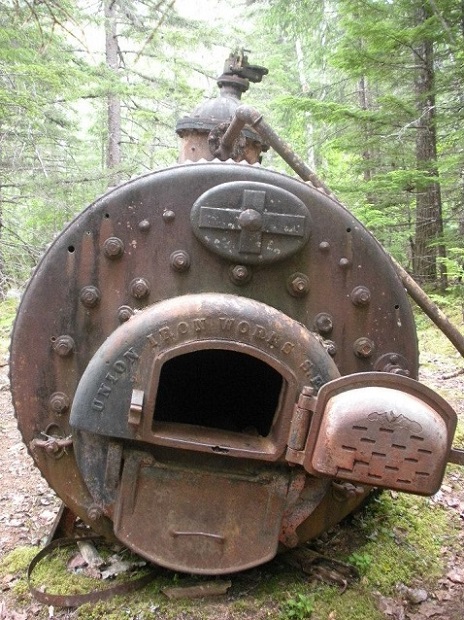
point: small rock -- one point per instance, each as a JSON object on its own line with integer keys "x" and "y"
{"x": 416, "y": 595}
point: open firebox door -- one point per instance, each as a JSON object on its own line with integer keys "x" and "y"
{"x": 210, "y": 426}
{"x": 381, "y": 430}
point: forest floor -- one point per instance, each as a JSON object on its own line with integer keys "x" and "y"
{"x": 28, "y": 508}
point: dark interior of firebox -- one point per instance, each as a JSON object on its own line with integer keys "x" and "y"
{"x": 220, "y": 389}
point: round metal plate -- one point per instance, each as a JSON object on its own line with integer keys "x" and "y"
{"x": 251, "y": 223}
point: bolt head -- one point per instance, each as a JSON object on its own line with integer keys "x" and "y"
{"x": 59, "y": 403}
{"x": 113, "y": 248}
{"x": 139, "y": 288}
{"x": 360, "y": 296}
{"x": 64, "y": 346}
{"x": 240, "y": 274}
{"x": 324, "y": 323}
{"x": 363, "y": 347}
{"x": 90, "y": 296}
{"x": 298, "y": 285}
{"x": 125, "y": 313}
{"x": 180, "y": 260}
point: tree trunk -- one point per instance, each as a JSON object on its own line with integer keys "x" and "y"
{"x": 113, "y": 148}
{"x": 367, "y": 154}
{"x": 428, "y": 242}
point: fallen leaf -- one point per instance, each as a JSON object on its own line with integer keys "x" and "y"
{"x": 429, "y": 610}
{"x": 456, "y": 575}
{"x": 7, "y": 582}
{"x": 443, "y": 595}
{"x": 390, "y": 607}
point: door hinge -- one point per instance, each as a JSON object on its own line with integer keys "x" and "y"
{"x": 300, "y": 424}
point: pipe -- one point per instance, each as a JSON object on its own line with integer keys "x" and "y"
{"x": 430, "y": 308}
{"x": 250, "y": 116}
{"x": 247, "y": 115}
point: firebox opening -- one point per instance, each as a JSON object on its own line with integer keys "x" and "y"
{"x": 219, "y": 389}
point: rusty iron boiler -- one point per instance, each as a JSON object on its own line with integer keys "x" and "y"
{"x": 215, "y": 362}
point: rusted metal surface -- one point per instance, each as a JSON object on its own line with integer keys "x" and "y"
{"x": 381, "y": 430}
{"x": 63, "y": 525}
{"x": 224, "y": 358}
{"x": 202, "y": 132}
{"x": 205, "y": 518}
{"x": 140, "y": 308}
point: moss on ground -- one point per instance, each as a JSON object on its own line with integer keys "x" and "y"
{"x": 394, "y": 539}
{"x": 400, "y": 541}
{"x": 404, "y": 536}
{"x": 17, "y": 560}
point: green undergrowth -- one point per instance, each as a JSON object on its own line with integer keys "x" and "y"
{"x": 433, "y": 343}
{"x": 394, "y": 539}
{"x": 403, "y": 539}
{"x": 8, "y": 309}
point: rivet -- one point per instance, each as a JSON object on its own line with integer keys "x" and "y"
{"x": 324, "y": 246}
{"x": 113, "y": 247}
{"x": 360, "y": 296}
{"x": 344, "y": 263}
{"x": 90, "y": 296}
{"x": 363, "y": 347}
{"x": 144, "y": 225}
{"x": 298, "y": 285}
{"x": 240, "y": 274}
{"x": 64, "y": 346}
{"x": 180, "y": 260}
{"x": 125, "y": 313}
{"x": 324, "y": 323}
{"x": 139, "y": 288}
{"x": 169, "y": 216}
{"x": 59, "y": 403}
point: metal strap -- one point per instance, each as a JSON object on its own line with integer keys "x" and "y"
{"x": 74, "y": 600}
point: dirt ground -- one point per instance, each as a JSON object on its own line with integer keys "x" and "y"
{"x": 28, "y": 506}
